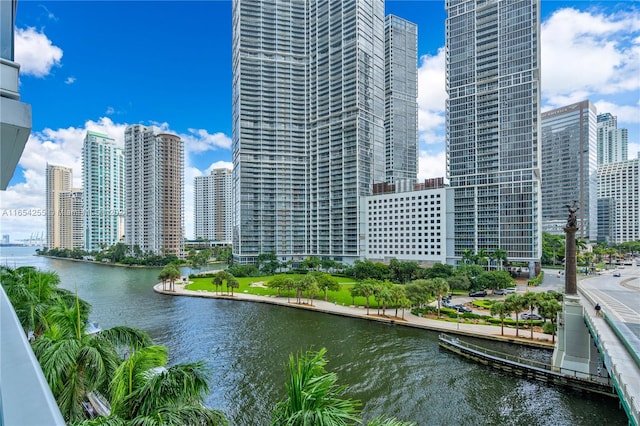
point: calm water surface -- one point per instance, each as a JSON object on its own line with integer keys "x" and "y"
{"x": 393, "y": 370}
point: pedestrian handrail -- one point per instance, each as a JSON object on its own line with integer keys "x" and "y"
{"x": 525, "y": 361}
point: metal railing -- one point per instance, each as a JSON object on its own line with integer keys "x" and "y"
{"x": 527, "y": 362}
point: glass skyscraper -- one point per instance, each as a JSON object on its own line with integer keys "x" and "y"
{"x": 401, "y": 106}
{"x": 493, "y": 127}
{"x": 103, "y": 188}
{"x": 308, "y": 125}
{"x": 569, "y": 168}
{"x": 613, "y": 143}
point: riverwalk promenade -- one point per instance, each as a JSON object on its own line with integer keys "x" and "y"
{"x": 462, "y": 328}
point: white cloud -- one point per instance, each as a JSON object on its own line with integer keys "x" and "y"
{"x": 35, "y": 53}
{"x": 200, "y": 140}
{"x": 589, "y": 51}
{"x": 64, "y": 147}
{"x": 432, "y": 164}
{"x": 625, "y": 113}
{"x": 70, "y": 80}
{"x": 219, "y": 165}
{"x": 431, "y": 98}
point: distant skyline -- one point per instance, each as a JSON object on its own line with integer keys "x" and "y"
{"x": 104, "y": 65}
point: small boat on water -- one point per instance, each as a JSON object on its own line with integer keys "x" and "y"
{"x": 93, "y": 328}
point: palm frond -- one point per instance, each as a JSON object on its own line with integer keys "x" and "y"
{"x": 179, "y": 415}
{"x": 132, "y": 374}
{"x": 386, "y": 421}
{"x": 314, "y": 398}
{"x": 126, "y": 337}
{"x": 179, "y": 384}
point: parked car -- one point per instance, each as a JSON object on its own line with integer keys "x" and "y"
{"x": 500, "y": 291}
{"x": 461, "y": 308}
{"x": 510, "y": 290}
{"x": 478, "y": 293}
{"x": 529, "y": 316}
{"x": 616, "y": 274}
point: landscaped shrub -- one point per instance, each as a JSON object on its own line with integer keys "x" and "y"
{"x": 537, "y": 280}
{"x": 549, "y": 328}
{"x": 483, "y": 303}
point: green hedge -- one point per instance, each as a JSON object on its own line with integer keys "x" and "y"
{"x": 537, "y": 280}
{"x": 484, "y": 303}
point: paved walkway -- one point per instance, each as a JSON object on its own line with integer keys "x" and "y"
{"x": 410, "y": 320}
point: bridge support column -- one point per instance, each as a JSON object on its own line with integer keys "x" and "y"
{"x": 573, "y": 350}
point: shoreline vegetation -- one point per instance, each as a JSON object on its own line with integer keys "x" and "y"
{"x": 256, "y": 290}
{"x": 122, "y": 265}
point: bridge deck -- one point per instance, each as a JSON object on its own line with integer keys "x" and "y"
{"x": 617, "y": 335}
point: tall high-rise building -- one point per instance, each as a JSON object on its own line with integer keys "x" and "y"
{"x": 213, "y": 206}
{"x": 71, "y": 219}
{"x": 493, "y": 127}
{"x": 569, "y": 168}
{"x": 401, "y": 106}
{"x": 59, "y": 179}
{"x": 103, "y": 188}
{"x": 308, "y": 125}
{"x": 619, "y": 201}
{"x": 154, "y": 190}
{"x": 612, "y": 142}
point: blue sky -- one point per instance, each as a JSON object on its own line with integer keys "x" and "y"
{"x": 104, "y": 65}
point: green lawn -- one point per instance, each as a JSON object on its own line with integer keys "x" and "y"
{"x": 342, "y": 297}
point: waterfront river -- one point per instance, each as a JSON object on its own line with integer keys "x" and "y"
{"x": 393, "y": 370}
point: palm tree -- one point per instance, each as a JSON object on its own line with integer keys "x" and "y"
{"x": 549, "y": 308}
{"x": 223, "y": 277}
{"x": 164, "y": 277}
{"x": 501, "y": 256}
{"x": 468, "y": 257}
{"x": 143, "y": 391}
{"x": 365, "y": 289}
{"x": 482, "y": 256}
{"x": 313, "y": 397}
{"x": 232, "y": 282}
{"x": 404, "y": 303}
{"x": 531, "y": 300}
{"x": 515, "y": 303}
{"x": 397, "y": 294}
{"x": 31, "y": 293}
{"x": 311, "y": 287}
{"x": 173, "y": 275}
{"x": 502, "y": 310}
{"x": 438, "y": 287}
{"x": 75, "y": 363}
{"x": 384, "y": 295}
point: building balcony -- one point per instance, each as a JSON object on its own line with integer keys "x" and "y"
{"x": 15, "y": 121}
{"x": 26, "y": 396}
